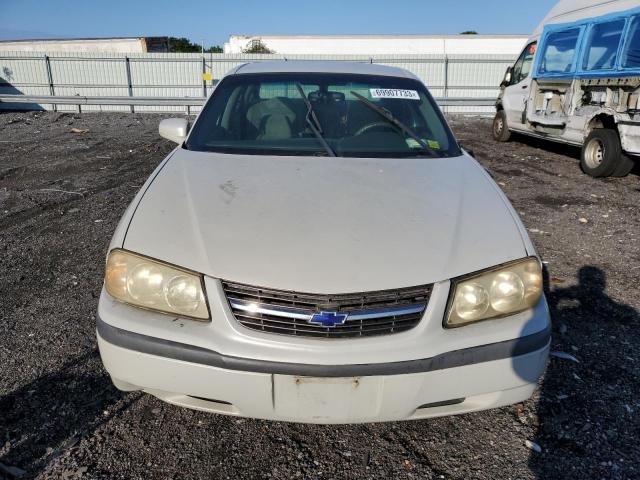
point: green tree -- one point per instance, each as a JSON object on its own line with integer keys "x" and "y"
{"x": 257, "y": 46}
{"x": 184, "y": 45}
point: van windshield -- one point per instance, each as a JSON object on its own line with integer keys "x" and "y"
{"x": 266, "y": 114}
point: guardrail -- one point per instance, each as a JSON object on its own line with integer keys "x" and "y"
{"x": 182, "y": 101}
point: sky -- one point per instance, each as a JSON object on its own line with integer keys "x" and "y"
{"x": 213, "y": 21}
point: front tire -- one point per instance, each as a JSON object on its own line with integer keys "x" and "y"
{"x": 602, "y": 153}
{"x": 500, "y": 129}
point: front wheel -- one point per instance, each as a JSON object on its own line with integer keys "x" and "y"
{"x": 602, "y": 153}
{"x": 500, "y": 129}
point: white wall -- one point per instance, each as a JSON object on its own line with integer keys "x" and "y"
{"x": 105, "y": 45}
{"x": 383, "y": 45}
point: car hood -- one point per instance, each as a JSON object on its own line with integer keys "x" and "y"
{"x": 322, "y": 224}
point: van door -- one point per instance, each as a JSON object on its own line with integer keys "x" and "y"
{"x": 516, "y": 94}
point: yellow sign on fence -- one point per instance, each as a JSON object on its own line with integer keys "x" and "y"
{"x": 207, "y": 77}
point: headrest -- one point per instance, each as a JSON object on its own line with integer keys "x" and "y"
{"x": 276, "y": 127}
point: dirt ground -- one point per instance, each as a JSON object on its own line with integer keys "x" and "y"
{"x": 61, "y": 194}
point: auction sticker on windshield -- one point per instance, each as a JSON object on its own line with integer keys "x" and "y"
{"x": 394, "y": 93}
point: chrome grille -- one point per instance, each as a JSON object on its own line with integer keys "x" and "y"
{"x": 293, "y": 313}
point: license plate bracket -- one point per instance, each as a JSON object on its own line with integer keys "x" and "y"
{"x": 327, "y": 398}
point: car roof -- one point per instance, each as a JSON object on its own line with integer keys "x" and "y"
{"x": 321, "y": 66}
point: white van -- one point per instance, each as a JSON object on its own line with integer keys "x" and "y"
{"x": 577, "y": 81}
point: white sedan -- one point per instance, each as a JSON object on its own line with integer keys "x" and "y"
{"x": 318, "y": 248}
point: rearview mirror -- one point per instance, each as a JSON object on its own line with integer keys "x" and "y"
{"x": 507, "y": 77}
{"x": 174, "y": 129}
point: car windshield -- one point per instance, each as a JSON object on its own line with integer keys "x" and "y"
{"x": 342, "y": 114}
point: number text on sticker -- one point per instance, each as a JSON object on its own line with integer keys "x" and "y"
{"x": 394, "y": 93}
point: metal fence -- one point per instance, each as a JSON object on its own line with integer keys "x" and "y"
{"x": 175, "y": 82}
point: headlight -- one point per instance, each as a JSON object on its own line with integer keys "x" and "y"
{"x": 150, "y": 284}
{"x": 501, "y": 291}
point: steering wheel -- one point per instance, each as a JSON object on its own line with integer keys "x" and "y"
{"x": 371, "y": 126}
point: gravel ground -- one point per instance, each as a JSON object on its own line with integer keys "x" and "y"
{"x": 61, "y": 194}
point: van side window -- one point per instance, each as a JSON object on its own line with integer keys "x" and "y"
{"x": 522, "y": 67}
{"x": 631, "y": 57}
{"x": 602, "y": 46}
{"x": 560, "y": 51}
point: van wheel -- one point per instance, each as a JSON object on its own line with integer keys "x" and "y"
{"x": 500, "y": 129}
{"x": 601, "y": 153}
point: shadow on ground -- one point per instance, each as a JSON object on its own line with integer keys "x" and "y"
{"x": 588, "y": 403}
{"x": 560, "y": 149}
{"x": 50, "y": 415}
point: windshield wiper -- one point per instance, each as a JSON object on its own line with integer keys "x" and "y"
{"x": 387, "y": 115}
{"x": 313, "y": 122}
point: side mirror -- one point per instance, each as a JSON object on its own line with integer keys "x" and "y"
{"x": 174, "y": 129}
{"x": 507, "y": 77}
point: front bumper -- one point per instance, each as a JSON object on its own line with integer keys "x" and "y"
{"x": 459, "y": 381}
